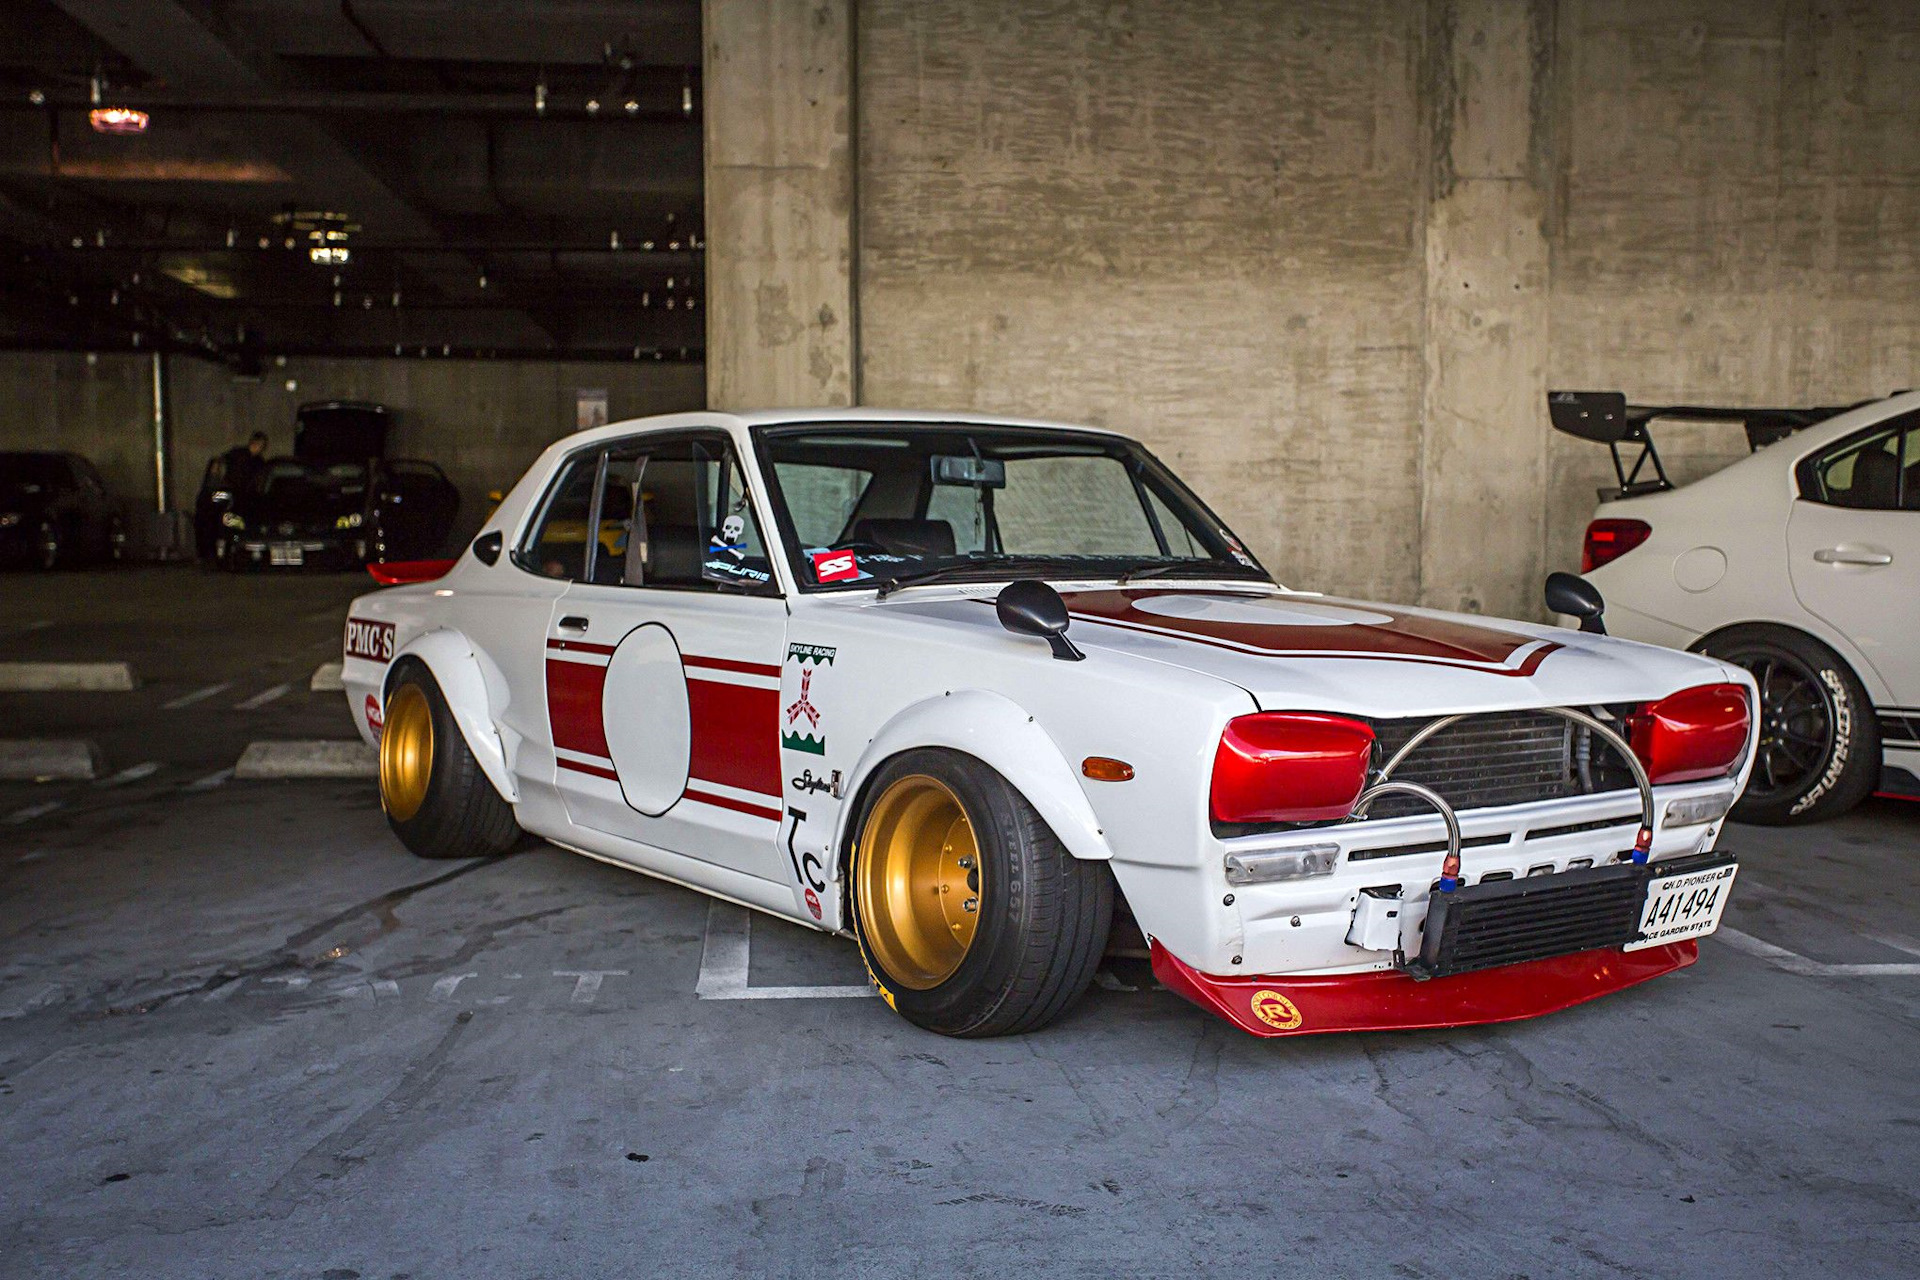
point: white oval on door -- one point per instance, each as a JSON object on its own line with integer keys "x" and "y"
{"x": 649, "y": 728}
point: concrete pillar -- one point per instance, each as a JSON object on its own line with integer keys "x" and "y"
{"x": 781, "y": 328}
{"x": 1484, "y": 439}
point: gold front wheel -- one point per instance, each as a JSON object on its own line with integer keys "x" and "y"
{"x": 917, "y": 882}
{"x": 406, "y": 752}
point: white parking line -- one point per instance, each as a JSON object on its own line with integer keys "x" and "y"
{"x": 82, "y": 677}
{"x": 211, "y": 781}
{"x": 326, "y": 678}
{"x": 198, "y": 695}
{"x": 132, "y": 773}
{"x": 586, "y": 982}
{"x": 33, "y": 811}
{"x": 262, "y": 698}
{"x": 726, "y": 954}
{"x": 1793, "y": 962}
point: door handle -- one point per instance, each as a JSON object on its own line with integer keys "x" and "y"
{"x": 573, "y": 622}
{"x": 1852, "y": 555}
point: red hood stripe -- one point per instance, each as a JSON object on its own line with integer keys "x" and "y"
{"x": 1406, "y": 637}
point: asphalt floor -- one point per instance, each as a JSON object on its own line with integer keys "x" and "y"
{"x": 243, "y": 1033}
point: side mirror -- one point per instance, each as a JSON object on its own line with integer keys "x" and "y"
{"x": 486, "y": 547}
{"x": 1573, "y": 595}
{"x": 1032, "y": 608}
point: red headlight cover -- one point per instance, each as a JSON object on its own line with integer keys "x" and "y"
{"x": 1608, "y": 540}
{"x": 1289, "y": 766}
{"x": 1696, "y": 733}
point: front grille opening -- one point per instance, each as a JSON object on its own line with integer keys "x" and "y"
{"x": 1486, "y": 761}
{"x": 1429, "y": 846}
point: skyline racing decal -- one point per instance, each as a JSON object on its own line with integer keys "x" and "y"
{"x": 800, "y": 727}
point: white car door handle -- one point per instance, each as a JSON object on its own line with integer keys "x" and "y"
{"x": 1852, "y": 555}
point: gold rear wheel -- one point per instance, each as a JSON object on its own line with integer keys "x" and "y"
{"x": 917, "y": 882}
{"x": 406, "y": 752}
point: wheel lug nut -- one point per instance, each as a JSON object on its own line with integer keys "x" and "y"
{"x": 971, "y": 904}
{"x": 966, "y": 864}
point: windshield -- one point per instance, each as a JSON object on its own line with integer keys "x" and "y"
{"x": 289, "y": 487}
{"x": 33, "y": 472}
{"x": 864, "y": 505}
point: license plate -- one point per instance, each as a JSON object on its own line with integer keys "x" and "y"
{"x": 287, "y": 553}
{"x": 1683, "y": 906}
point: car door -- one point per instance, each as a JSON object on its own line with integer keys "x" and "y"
{"x": 1854, "y": 542}
{"x": 664, "y": 656}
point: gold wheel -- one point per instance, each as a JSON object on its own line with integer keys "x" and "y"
{"x": 917, "y": 882}
{"x": 406, "y": 752}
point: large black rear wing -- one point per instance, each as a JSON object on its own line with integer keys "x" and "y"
{"x": 1606, "y": 418}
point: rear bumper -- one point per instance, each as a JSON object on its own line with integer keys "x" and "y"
{"x": 1386, "y": 1000}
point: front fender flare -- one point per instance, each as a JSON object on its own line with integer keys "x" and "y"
{"x": 994, "y": 729}
{"x": 455, "y": 663}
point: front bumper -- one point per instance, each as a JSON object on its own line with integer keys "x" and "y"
{"x": 1277, "y": 1005}
{"x": 299, "y": 551}
{"x": 1491, "y": 952}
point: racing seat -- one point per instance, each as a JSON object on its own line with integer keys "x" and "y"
{"x": 906, "y": 537}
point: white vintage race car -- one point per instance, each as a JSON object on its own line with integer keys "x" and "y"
{"x": 963, "y": 688}
{"x": 1800, "y": 562}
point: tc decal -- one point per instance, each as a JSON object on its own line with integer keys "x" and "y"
{"x": 1276, "y": 1010}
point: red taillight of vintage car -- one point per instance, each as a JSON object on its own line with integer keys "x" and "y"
{"x": 1608, "y": 540}
{"x": 1289, "y": 766}
{"x": 1694, "y": 734}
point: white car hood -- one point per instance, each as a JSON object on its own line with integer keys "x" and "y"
{"x": 1294, "y": 651}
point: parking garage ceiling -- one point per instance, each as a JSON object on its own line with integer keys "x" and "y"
{"x": 421, "y": 178}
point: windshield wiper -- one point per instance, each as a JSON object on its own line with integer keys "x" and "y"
{"x": 992, "y": 567}
{"x": 1163, "y": 568}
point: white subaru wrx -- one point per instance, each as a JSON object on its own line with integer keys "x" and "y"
{"x": 965, "y": 688}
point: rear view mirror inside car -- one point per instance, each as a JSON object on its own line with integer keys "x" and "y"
{"x": 981, "y": 473}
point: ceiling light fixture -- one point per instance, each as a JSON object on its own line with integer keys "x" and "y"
{"x": 106, "y": 119}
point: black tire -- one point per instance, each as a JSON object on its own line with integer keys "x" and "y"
{"x": 1819, "y": 744}
{"x": 1043, "y": 919}
{"x": 461, "y": 816}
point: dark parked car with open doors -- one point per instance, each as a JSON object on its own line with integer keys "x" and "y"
{"x": 338, "y": 502}
{"x": 55, "y": 511}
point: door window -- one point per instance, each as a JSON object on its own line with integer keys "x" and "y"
{"x": 557, "y": 546}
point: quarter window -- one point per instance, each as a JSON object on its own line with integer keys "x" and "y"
{"x": 1879, "y": 472}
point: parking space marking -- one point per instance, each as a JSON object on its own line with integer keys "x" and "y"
{"x": 132, "y": 773}
{"x": 1794, "y": 962}
{"x": 326, "y": 678}
{"x": 726, "y": 954}
{"x": 33, "y": 811}
{"x": 443, "y": 988}
{"x": 198, "y": 695}
{"x": 211, "y": 781}
{"x": 262, "y": 698}
{"x": 586, "y": 982}
{"x": 1896, "y": 942}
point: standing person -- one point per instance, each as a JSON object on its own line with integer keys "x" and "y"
{"x": 244, "y": 463}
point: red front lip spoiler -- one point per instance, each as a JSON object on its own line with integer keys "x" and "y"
{"x": 1390, "y": 1001}
{"x": 395, "y": 572}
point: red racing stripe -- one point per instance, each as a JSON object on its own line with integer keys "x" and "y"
{"x": 593, "y": 769}
{"x": 736, "y": 735}
{"x": 739, "y": 806}
{"x": 574, "y": 693}
{"x": 730, "y": 664}
{"x": 579, "y": 646}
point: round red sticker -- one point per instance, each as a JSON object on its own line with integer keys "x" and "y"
{"x": 373, "y": 714}
{"x": 813, "y": 903}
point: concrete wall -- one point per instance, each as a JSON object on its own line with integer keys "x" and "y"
{"x": 481, "y": 421}
{"x": 1327, "y": 257}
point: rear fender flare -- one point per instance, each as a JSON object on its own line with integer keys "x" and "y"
{"x": 994, "y": 729}
{"x": 458, "y": 667}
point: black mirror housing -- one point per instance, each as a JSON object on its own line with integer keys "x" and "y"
{"x": 1573, "y": 595}
{"x": 486, "y": 547}
{"x": 1030, "y": 607}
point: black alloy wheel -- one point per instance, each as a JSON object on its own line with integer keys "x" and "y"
{"x": 1817, "y": 750}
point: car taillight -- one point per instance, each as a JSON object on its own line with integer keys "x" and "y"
{"x": 1608, "y": 540}
{"x": 1696, "y": 733}
{"x": 1289, "y": 766}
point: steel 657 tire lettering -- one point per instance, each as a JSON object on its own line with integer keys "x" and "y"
{"x": 972, "y": 918}
{"x": 435, "y": 796}
{"x": 1818, "y": 746}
